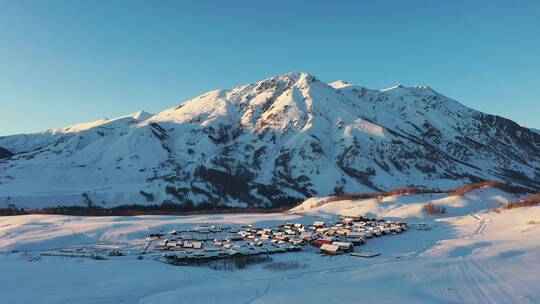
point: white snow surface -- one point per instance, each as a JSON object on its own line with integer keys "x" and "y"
{"x": 468, "y": 255}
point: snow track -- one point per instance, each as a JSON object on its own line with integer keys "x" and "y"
{"x": 482, "y": 283}
{"x": 482, "y": 223}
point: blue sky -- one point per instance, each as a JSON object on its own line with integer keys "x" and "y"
{"x": 63, "y": 62}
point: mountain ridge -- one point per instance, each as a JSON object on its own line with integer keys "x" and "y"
{"x": 267, "y": 143}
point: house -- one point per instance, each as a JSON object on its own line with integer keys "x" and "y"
{"x": 330, "y": 231}
{"x": 198, "y": 254}
{"x": 202, "y": 237}
{"x": 342, "y": 231}
{"x": 344, "y": 246}
{"x": 359, "y": 224}
{"x": 355, "y": 234}
{"x": 297, "y": 241}
{"x": 215, "y": 229}
{"x": 323, "y": 241}
{"x": 204, "y": 230}
{"x": 170, "y": 245}
{"x": 329, "y": 249}
{"x": 395, "y": 229}
{"x": 307, "y": 236}
{"x": 281, "y": 238}
{"x": 234, "y": 237}
{"x": 232, "y": 252}
{"x": 187, "y": 237}
{"x": 348, "y": 221}
{"x": 356, "y": 241}
{"x": 318, "y": 224}
{"x": 321, "y": 230}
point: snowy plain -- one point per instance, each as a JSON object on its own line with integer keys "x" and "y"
{"x": 468, "y": 255}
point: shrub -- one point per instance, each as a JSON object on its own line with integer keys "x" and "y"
{"x": 493, "y": 184}
{"x": 116, "y": 252}
{"x": 531, "y": 222}
{"x": 381, "y": 194}
{"x": 97, "y": 257}
{"x": 149, "y": 196}
{"x": 531, "y": 200}
{"x": 238, "y": 262}
{"x": 431, "y": 208}
{"x": 284, "y": 266}
{"x": 87, "y": 201}
{"x": 166, "y": 208}
{"x": 495, "y": 209}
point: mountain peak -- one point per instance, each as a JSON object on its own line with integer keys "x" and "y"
{"x": 338, "y": 84}
{"x": 297, "y": 74}
{"x": 141, "y": 115}
{"x": 294, "y": 77}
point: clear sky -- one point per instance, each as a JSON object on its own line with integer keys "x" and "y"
{"x": 64, "y": 62}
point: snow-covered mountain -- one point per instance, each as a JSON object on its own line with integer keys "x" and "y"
{"x": 276, "y": 141}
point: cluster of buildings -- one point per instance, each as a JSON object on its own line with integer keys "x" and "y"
{"x": 206, "y": 242}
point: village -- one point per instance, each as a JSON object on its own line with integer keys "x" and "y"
{"x": 207, "y": 242}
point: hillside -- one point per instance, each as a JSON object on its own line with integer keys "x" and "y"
{"x": 274, "y": 142}
{"x": 408, "y": 206}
